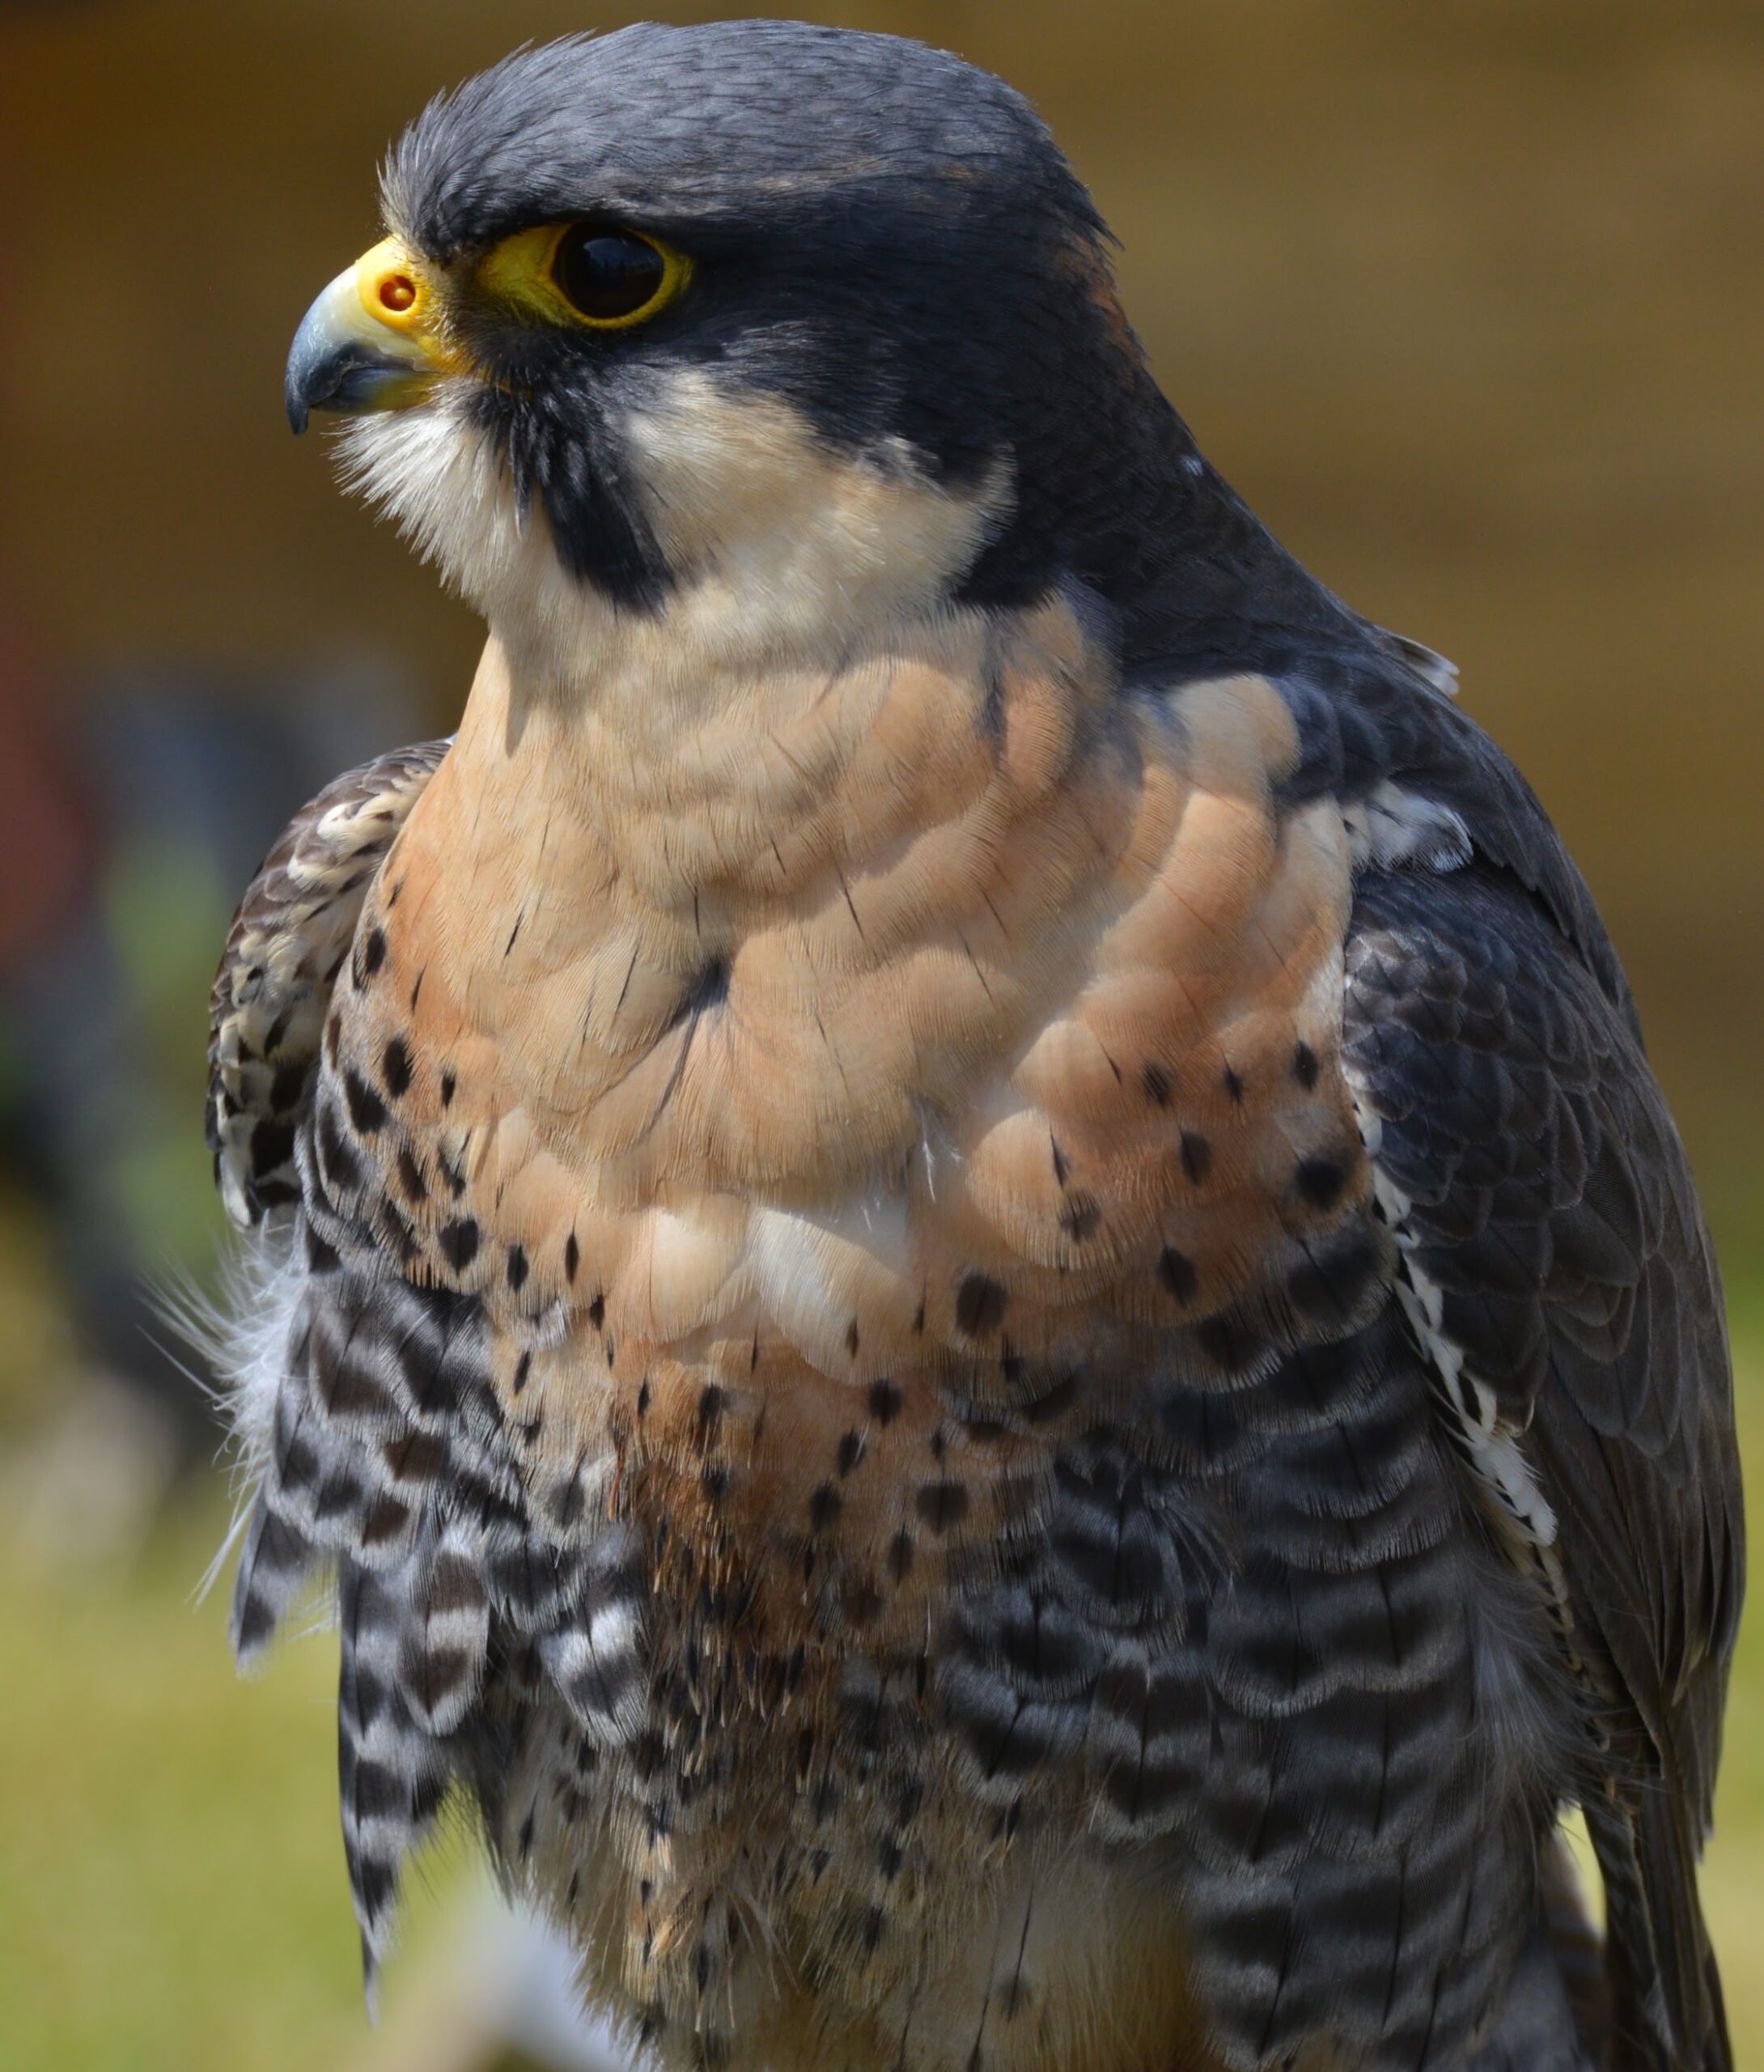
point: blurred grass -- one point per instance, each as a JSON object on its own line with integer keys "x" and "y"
{"x": 171, "y": 1888}
{"x": 171, "y": 1883}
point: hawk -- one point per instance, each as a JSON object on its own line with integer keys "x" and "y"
{"x": 964, "y": 1256}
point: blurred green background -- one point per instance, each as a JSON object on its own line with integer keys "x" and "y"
{"x": 1467, "y": 296}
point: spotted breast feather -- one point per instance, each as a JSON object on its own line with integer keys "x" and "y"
{"x": 839, "y": 1329}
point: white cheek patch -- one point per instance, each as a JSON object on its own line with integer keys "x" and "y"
{"x": 438, "y": 479}
{"x": 785, "y": 548}
{"x": 785, "y": 555}
{"x": 441, "y": 481}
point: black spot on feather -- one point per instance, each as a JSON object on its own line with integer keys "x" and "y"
{"x": 395, "y": 1067}
{"x": 366, "y": 1111}
{"x": 341, "y": 1167}
{"x": 272, "y": 1145}
{"x": 1333, "y": 1279}
{"x": 288, "y": 1085}
{"x": 1230, "y": 1345}
{"x": 981, "y": 1303}
{"x": 1320, "y": 1181}
{"x": 942, "y": 1504}
{"x": 1176, "y": 1270}
{"x": 458, "y": 1242}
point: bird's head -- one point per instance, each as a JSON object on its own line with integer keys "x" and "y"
{"x": 811, "y": 324}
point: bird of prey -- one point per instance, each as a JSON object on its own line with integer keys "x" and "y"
{"x": 967, "y": 1261}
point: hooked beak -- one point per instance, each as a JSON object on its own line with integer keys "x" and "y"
{"x": 370, "y": 342}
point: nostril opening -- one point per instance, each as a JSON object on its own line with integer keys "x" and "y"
{"x": 397, "y": 292}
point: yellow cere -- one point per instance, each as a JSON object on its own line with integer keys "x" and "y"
{"x": 390, "y": 284}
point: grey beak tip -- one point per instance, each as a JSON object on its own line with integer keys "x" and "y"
{"x": 341, "y": 362}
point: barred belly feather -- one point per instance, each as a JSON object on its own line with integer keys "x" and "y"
{"x": 844, "y": 1358}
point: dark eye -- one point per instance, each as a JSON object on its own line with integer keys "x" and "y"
{"x": 610, "y": 276}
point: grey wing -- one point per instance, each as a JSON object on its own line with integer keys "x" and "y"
{"x": 289, "y": 938}
{"x": 1560, "y": 1274}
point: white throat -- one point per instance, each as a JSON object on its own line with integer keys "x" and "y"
{"x": 788, "y": 557}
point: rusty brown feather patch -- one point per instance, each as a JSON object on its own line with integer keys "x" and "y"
{"x": 834, "y": 1107}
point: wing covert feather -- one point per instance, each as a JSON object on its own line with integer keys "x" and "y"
{"x": 289, "y": 937}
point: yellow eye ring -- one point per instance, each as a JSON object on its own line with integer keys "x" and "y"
{"x": 591, "y": 272}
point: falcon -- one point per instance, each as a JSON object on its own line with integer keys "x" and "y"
{"x": 964, "y": 1256}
